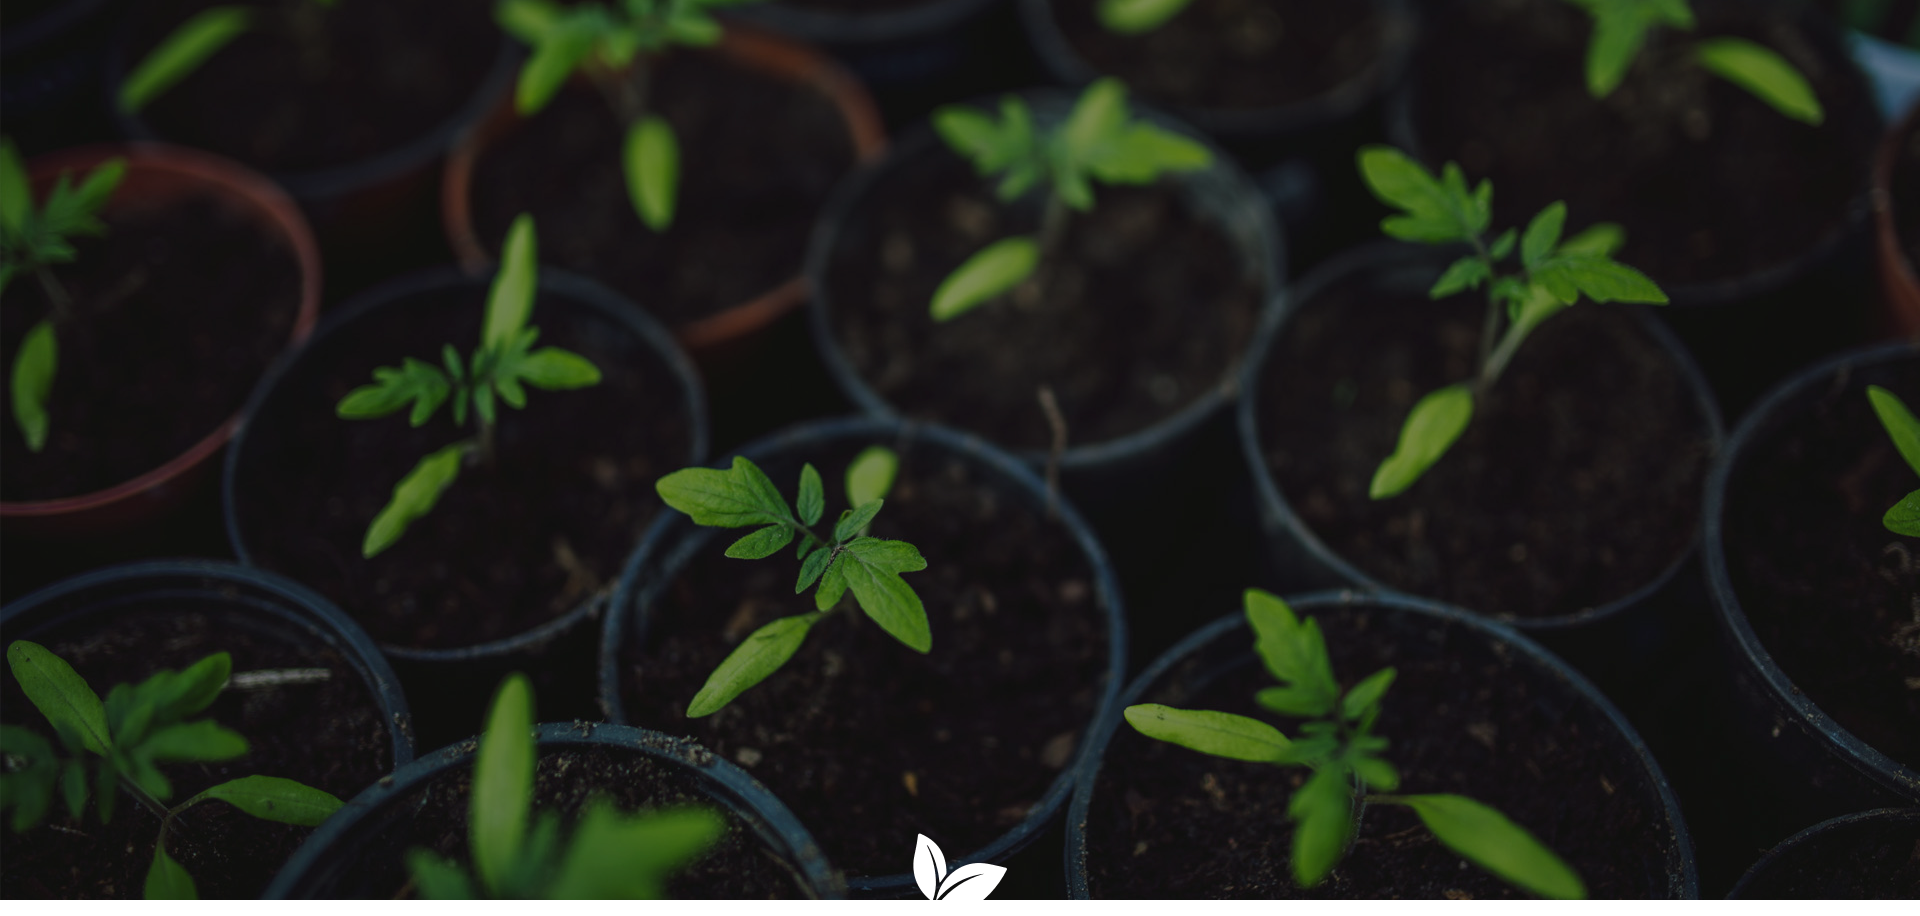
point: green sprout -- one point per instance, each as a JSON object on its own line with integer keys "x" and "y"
{"x": 1904, "y": 516}
{"x": 1100, "y": 141}
{"x": 1620, "y": 29}
{"x": 504, "y": 362}
{"x": 742, "y": 497}
{"x": 205, "y": 33}
{"x": 1336, "y": 741}
{"x": 1135, "y": 17}
{"x": 610, "y": 855}
{"x": 35, "y": 239}
{"x": 615, "y": 45}
{"x": 1553, "y": 274}
{"x": 113, "y": 746}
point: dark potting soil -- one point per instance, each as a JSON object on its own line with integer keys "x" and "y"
{"x": 1577, "y": 482}
{"x": 296, "y": 93}
{"x": 1869, "y": 859}
{"x": 329, "y": 735}
{"x": 1232, "y": 54}
{"x": 759, "y": 156}
{"x": 1144, "y": 307}
{"x": 1905, "y": 191}
{"x": 1832, "y": 594}
{"x": 176, "y": 313}
{"x": 867, "y": 741}
{"x": 1465, "y": 716}
{"x": 1709, "y": 182}
{"x": 737, "y": 867}
{"x": 507, "y": 548}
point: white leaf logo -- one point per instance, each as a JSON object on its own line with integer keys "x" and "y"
{"x": 968, "y": 882}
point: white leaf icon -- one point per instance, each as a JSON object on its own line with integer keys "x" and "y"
{"x": 929, "y": 866}
{"x": 972, "y": 882}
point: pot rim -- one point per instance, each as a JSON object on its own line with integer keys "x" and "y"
{"x": 847, "y": 28}
{"x": 1356, "y": 262}
{"x": 1682, "y": 875}
{"x": 1870, "y": 762}
{"x": 1841, "y": 823}
{"x": 394, "y": 293}
{"x": 1901, "y": 287}
{"x": 672, "y": 540}
{"x": 223, "y": 178}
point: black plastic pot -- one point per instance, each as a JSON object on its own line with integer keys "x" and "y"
{"x": 1225, "y": 647}
{"x": 360, "y": 851}
{"x": 889, "y": 49}
{"x": 50, "y": 57}
{"x": 1869, "y": 854}
{"x": 1819, "y": 766}
{"x": 673, "y": 541}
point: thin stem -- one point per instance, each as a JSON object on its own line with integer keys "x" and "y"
{"x": 149, "y": 802}
{"x": 626, "y": 91}
{"x": 483, "y": 443}
{"x": 56, "y": 293}
{"x": 1491, "y": 368}
{"x": 1053, "y": 225}
{"x": 1489, "y": 331}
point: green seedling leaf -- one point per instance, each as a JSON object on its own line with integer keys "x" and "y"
{"x": 62, "y": 696}
{"x": 1899, "y": 422}
{"x": 1601, "y": 278}
{"x": 1543, "y": 234}
{"x": 73, "y": 789}
{"x": 421, "y": 384}
{"x": 813, "y": 496}
{"x": 194, "y": 689}
{"x": 1619, "y": 29}
{"x": 691, "y": 27}
{"x": 1295, "y": 654}
{"x": 510, "y": 298}
{"x": 1488, "y": 839}
{"x": 871, "y": 474}
{"x": 1904, "y": 517}
{"x": 763, "y": 543}
{"x": 1765, "y": 74}
{"x": 987, "y": 275}
{"x": 1376, "y": 773}
{"x": 189, "y": 741}
{"x": 1007, "y": 145}
{"x": 1441, "y": 210}
{"x": 872, "y": 568}
{"x": 1322, "y": 812}
{"x": 734, "y": 498}
{"x": 28, "y": 791}
{"x": 1366, "y": 694}
{"x": 1598, "y": 239}
{"x": 1218, "y": 733}
{"x": 615, "y": 856}
{"x": 413, "y": 497}
{"x": 271, "y": 798}
{"x": 438, "y": 878}
{"x": 195, "y": 40}
{"x": 556, "y": 52}
{"x": 1097, "y": 117}
{"x": 1141, "y": 153}
{"x": 166, "y": 880}
{"x": 16, "y": 193}
{"x": 756, "y": 658}
{"x": 652, "y": 161}
{"x": 812, "y": 566}
{"x": 502, "y": 783}
{"x": 853, "y": 522}
{"x": 1467, "y": 273}
{"x": 527, "y": 20}
{"x": 1434, "y": 425}
{"x": 33, "y": 370}
{"x": 554, "y": 369}
{"x": 1136, "y": 17}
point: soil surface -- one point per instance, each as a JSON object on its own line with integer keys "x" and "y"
{"x": 1577, "y": 482}
{"x": 759, "y": 156}
{"x": 1465, "y": 716}
{"x": 312, "y": 87}
{"x": 867, "y": 741}
{"x": 1232, "y": 54}
{"x": 507, "y": 547}
{"x": 1832, "y": 594}
{"x": 1875, "y": 859}
{"x": 175, "y": 314}
{"x": 1144, "y": 307}
{"x": 329, "y": 735}
{"x": 1709, "y": 182}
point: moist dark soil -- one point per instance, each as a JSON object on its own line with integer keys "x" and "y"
{"x": 1144, "y": 307}
{"x": 1709, "y": 182}
{"x": 1577, "y": 482}
{"x": 759, "y": 156}
{"x": 329, "y": 735}
{"x": 1870, "y": 859}
{"x": 1465, "y": 715}
{"x": 1232, "y": 54}
{"x": 867, "y": 741}
{"x": 738, "y": 867}
{"x": 508, "y": 547}
{"x": 295, "y": 93}
{"x": 1832, "y": 594}
{"x": 176, "y": 313}
{"x": 1905, "y": 191}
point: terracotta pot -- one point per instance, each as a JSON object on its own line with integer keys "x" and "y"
{"x": 1899, "y": 290}
{"x": 748, "y": 48}
{"x": 158, "y": 172}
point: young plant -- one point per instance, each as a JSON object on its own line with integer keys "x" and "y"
{"x": 1099, "y": 141}
{"x": 1553, "y": 273}
{"x": 106, "y": 748}
{"x": 615, "y": 45}
{"x": 504, "y": 362}
{"x": 1137, "y": 17}
{"x": 849, "y": 560}
{"x": 205, "y": 33}
{"x": 1904, "y": 516}
{"x": 33, "y": 240}
{"x": 1620, "y": 29}
{"x": 609, "y": 855}
{"x": 1336, "y": 741}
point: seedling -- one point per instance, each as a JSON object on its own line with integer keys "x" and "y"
{"x": 1553, "y": 274}
{"x": 1904, "y": 516}
{"x": 1620, "y": 29}
{"x": 205, "y": 33}
{"x": 1336, "y": 741}
{"x": 615, "y": 45}
{"x": 1137, "y": 17}
{"x": 33, "y": 240}
{"x": 1099, "y": 141}
{"x": 610, "y": 855}
{"x": 743, "y": 497}
{"x": 504, "y": 362}
{"x": 109, "y": 747}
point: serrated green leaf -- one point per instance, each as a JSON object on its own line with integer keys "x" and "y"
{"x": 1322, "y": 812}
{"x": 1140, "y": 153}
{"x": 813, "y": 496}
{"x": 60, "y": 694}
{"x": 183, "y": 50}
{"x": 871, "y": 474}
{"x": 651, "y": 158}
{"x": 1765, "y": 74}
{"x": 272, "y": 798}
{"x": 1295, "y": 653}
{"x": 1218, "y": 733}
{"x": 1899, "y": 422}
{"x": 1601, "y": 278}
{"x": 502, "y": 783}
{"x": 1464, "y": 274}
{"x": 763, "y": 543}
{"x": 621, "y": 857}
{"x": 438, "y": 878}
{"x": 34, "y": 367}
{"x": 166, "y": 880}
{"x": 1490, "y": 840}
{"x": 833, "y": 581}
{"x": 1598, "y": 239}
{"x": 853, "y": 522}
{"x": 1137, "y": 17}
{"x": 414, "y": 496}
{"x": 1376, "y": 773}
{"x": 991, "y": 272}
{"x": 554, "y": 369}
{"x": 1616, "y": 42}
{"x": 204, "y": 739}
{"x": 555, "y": 55}
{"x": 1543, "y": 234}
{"x": 812, "y": 565}
{"x": 1904, "y": 516}
{"x": 1435, "y": 211}
{"x": 1366, "y": 694}
{"x": 510, "y": 297}
{"x": 754, "y": 660}
{"x": 1435, "y": 423}
{"x": 733, "y": 498}
{"x": 418, "y": 383}
{"x": 1097, "y": 117}
{"x": 16, "y": 193}
{"x": 98, "y": 187}
{"x": 872, "y": 568}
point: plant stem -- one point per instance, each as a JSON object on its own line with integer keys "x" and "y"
{"x": 1491, "y": 367}
{"x": 1053, "y": 226}
{"x": 149, "y": 802}
{"x": 56, "y": 293}
{"x": 626, "y": 91}
{"x": 483, "y": 443}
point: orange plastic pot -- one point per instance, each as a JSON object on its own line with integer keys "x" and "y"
{"x": 744, "y": 47}
{"x": 1899, "y": 289}
{"x": 160, "y": 174}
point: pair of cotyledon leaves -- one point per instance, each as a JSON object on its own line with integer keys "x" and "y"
{"x": 1620, "y": 29}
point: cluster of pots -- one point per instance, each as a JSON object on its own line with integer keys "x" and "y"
{"x": 1662, "y": 647}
